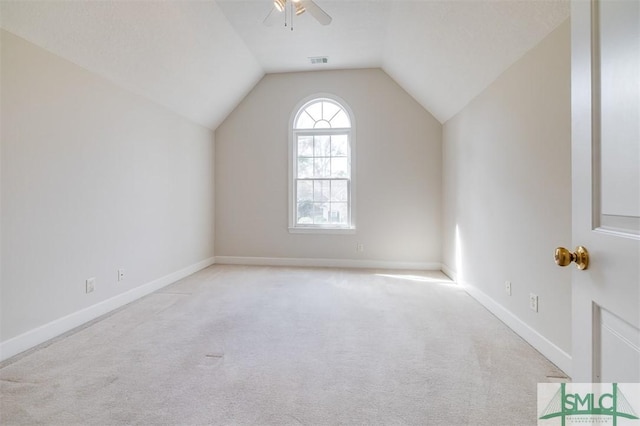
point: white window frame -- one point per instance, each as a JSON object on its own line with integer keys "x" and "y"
{"x": 293, "y": 157}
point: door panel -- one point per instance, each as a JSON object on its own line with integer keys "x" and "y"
{"x": 617, "y": 347}
{"x": 616, "y": 39}
{"x": 606, "y": 189}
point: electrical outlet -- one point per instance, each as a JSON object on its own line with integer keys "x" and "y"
{"x": 507, "y": 287}
{"x": 120, "y": 274}
{"x": 90, "y": 285}
{"x": 360, "y": 247}
{"x": 533, "y": 302}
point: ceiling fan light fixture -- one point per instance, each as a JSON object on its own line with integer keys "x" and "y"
{"x": 297, "y": 6}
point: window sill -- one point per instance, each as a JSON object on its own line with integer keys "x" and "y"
{"x": 319, "y": 230}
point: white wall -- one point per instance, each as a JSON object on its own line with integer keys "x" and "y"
{"x": 94, "y": 179}
{"x": 398, "y": 174}
{"x": 507, "y": 191}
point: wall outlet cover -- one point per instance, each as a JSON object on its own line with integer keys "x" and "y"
{"x": 90, "y": 285}
{"x": 533, "y": 302}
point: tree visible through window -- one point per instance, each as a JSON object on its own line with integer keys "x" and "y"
{"x": 322, "y": 145}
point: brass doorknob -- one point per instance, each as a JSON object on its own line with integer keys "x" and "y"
{"x": 565, "y": 257}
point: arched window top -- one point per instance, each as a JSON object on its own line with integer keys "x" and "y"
{"x": 322, "y": 113}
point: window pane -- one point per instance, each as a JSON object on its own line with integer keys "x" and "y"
{"x": 329, "y": 109}
{"x": 305, "y": 213}
{"x": 315, "y": 111}
{"x": 339, "y": 167}
{"x": 305, "y": 191}
{"x": 313, "y": 213}
{"x": 321, "y": 167}
{"x": 339, "y": 213}
{"x": 322, "y": 124}
{"x": 305, "y": 167}
{"x": 321, "y": 190}
{"x": 339, "y": 145}
{"x": 322, "y": 146}
{"x": 322, "y": 215}
{"x": 341, "y": 120}
{"x": 305, "y": 146}
{"x": 305, "y": 121}
{"x": 339, "y": 190}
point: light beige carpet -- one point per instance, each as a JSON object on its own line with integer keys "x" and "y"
{"x": 240, "y": 345}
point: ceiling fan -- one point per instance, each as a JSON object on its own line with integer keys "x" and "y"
{"x": 296, "y": 7}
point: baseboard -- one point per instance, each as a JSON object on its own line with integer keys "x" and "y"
{"x": 55, "y": 328}
{"x": 547, "y": 348}
{"x": 327, "y": 263}
{"x": 449, "y": 272}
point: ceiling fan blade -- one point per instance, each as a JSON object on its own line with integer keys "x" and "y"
{"x": 272, "y": 18}
{"x": 315, "y": 11}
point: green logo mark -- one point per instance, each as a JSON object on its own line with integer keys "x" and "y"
{"x": 612, "y": 404}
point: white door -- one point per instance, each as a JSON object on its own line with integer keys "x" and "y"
{"x": 606, "y": 189}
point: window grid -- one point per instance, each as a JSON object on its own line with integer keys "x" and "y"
{"x": 324, "y": 204}
{"x": 322, "y": 179}
{"x": 322, "y": 156}
{"x": 322, "y": 114}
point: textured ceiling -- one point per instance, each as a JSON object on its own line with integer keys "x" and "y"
{"x": 182, "y": 54}
{"x": 443, "y": 52}
{"x": 354, "y": 39}
{"x": 200, "y": 58}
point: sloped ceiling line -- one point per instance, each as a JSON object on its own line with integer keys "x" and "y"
{"x": 200, "y": 58}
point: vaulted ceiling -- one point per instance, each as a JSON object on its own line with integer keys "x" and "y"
{"x": 200, "y": 58}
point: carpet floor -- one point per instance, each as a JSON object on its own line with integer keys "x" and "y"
{"x": 238, "y": 345}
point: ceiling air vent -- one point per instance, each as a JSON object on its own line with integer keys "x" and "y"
{"x": 319, "y": 60}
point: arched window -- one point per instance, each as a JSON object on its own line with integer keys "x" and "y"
{"x": 322, "y": 152}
